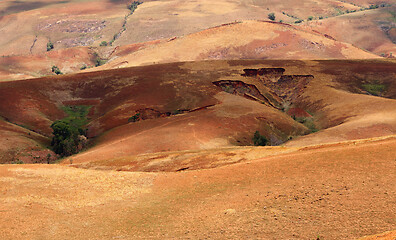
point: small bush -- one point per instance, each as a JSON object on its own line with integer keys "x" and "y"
{"x": 98, "y": 60}
{"x": 83, "y": 67}
{"x": 134, "y": 118}
{"x": 103, "y": 44}
{"x": 56, "y": 70}
{"x": 259, "y": 140}
{"x": 271, "y": 16}
{"x": 132, "y": 7}
{"x": 50, "y": 46}
{"x": 298, "y": 21}
{"x": 310, "y": 18}
{"x": 177, "y": 111}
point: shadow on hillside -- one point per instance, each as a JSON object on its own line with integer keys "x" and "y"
{"x": 20, "y": 6}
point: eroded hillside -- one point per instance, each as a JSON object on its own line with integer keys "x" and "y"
{"x": 211, "y": 104}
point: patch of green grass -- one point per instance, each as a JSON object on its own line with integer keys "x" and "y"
{"x": 76, "y": 114}
{"x": 375, "y": 89}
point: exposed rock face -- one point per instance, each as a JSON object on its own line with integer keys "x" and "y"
{"x": 276, "y": 88}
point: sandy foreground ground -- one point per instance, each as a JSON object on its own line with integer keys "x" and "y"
{"x": 334, "y": 191}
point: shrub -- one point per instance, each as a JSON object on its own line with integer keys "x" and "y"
{"x": 103, "y": 44}
{"x": 56, "y": 70}
{"x": 83, "y": 67}
{"x": 49, "y": 158}
{"x": 134, "y": 118}
{"x": 133, "y": 6}
{"x": 298, "y": 21}
{"x": 50, "y": 46}
{"x": 271, "y": 16}
{"x": 259, "y": 140}
{"x": 98, "y": 60}
{"x": 310, "y": 18}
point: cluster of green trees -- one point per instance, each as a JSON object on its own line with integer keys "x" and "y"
{"x": 70, "y": 133}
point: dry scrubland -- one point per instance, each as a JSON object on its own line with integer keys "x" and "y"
{"x": 170, "y": 111}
